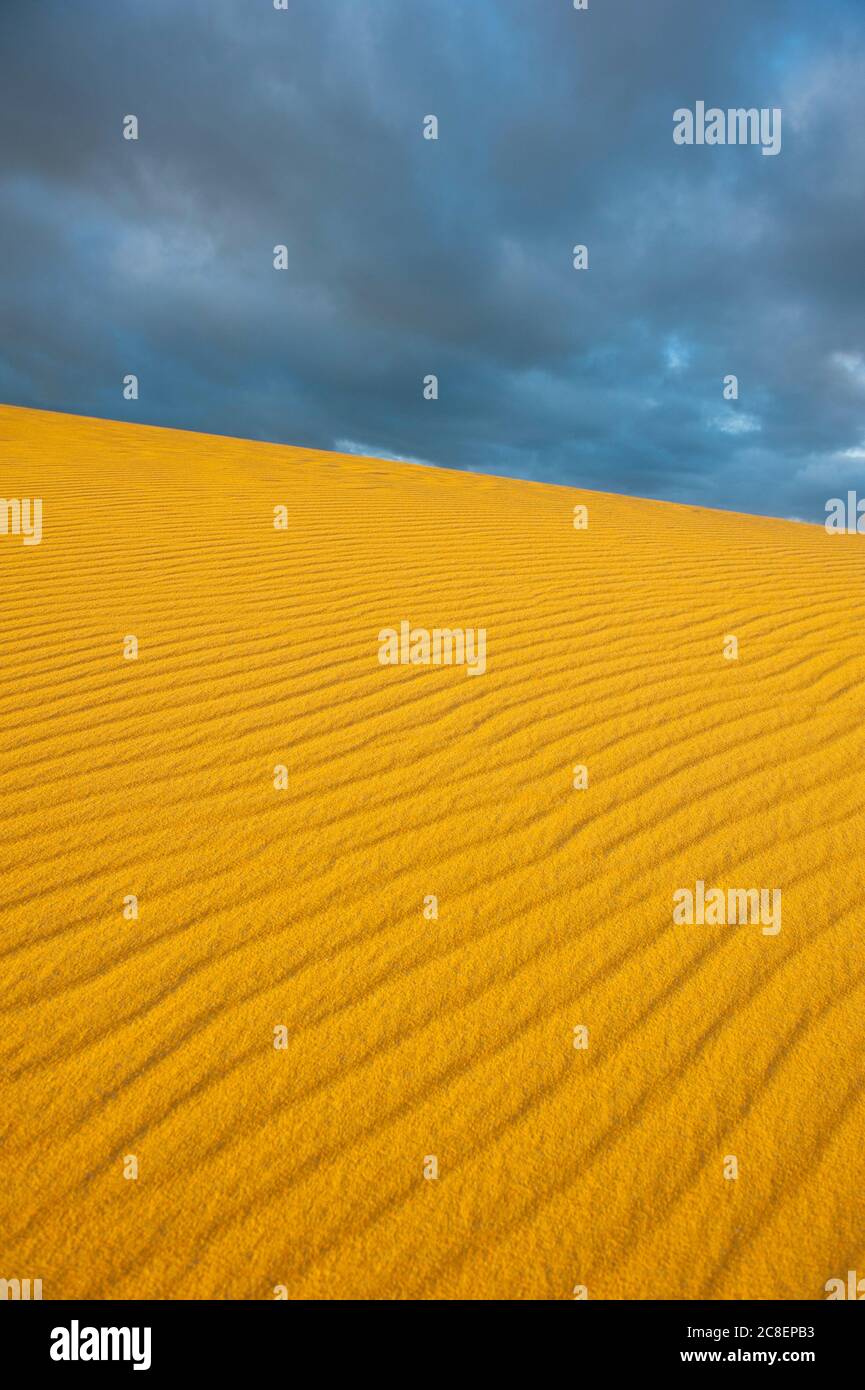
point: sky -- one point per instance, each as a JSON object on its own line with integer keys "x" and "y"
{"x": 454, "y": 257}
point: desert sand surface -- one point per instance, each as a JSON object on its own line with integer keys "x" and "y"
{"x": 302, "y": 1170}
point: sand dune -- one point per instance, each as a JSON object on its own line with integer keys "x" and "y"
{"x": 409, "y": 1037}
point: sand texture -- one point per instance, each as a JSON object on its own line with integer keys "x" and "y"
{"x": 408, "y": 1036}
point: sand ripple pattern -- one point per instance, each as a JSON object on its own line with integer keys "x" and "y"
{"x": 304, "y": 1167}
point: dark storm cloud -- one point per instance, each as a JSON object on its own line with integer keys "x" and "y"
{"x": 408, "y": 257}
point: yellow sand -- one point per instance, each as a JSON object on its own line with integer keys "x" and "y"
{"x": 407, "y": 1037}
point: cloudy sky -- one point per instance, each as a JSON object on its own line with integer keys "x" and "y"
{"x": 407, "y": 257}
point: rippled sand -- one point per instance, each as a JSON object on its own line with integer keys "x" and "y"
{"x": 302, "y": 1168}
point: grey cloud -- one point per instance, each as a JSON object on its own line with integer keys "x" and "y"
{"x": 406, "y": 257}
